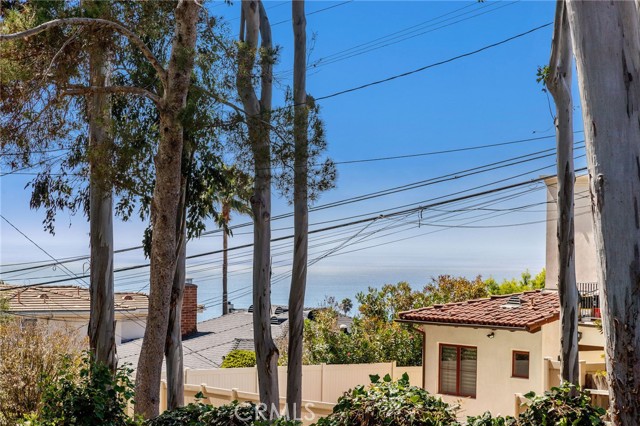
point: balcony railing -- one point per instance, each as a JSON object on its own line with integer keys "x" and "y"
{"x": 589, "y": 301}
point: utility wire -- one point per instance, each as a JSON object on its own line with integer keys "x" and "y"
{"x": 435, "y": 64}
{"x": 314, "y": 231}
{"x": 348, "y": 200}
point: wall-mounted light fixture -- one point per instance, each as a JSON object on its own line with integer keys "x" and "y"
{"x": 491, "y": 335}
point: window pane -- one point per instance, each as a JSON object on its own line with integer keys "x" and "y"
{"x": 521, "y": 364}
{"x": 448, "y": 369}
{"x": 468, "y": 371}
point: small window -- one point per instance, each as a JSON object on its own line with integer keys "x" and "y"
{"x": 520, "y": 364}
{"x": 458, "y": 370}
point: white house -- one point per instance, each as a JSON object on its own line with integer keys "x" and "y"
{"x": 69, "y": 306}
{"x": 485, "y": 354}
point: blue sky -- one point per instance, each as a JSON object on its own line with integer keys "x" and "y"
{"x": 487, "y": 98}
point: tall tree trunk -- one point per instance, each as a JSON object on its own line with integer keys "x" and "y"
{"x": 606, "y": 42}
{"x": 255, "y": 22}
{"x": 102, "y": 327}
{"x": 226, "y": 216}
{"x": 164, "y": 209}
{"x": 173, "y": 345}
{"x": 559, "y": 84}
{"x": 301, "y": 213}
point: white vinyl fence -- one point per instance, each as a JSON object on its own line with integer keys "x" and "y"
{"x": 322, "y": 385}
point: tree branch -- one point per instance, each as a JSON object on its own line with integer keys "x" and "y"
{"x": 241, "y": 111}
{"x": 133, "y": 38}
{"x": 84, "y": 90}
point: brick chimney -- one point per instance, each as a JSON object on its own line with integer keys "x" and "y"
{"x": 189, "y": 318}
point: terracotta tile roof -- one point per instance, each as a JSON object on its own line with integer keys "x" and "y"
{"x": 64, "y": 298}
{"x": 535, "y": 308}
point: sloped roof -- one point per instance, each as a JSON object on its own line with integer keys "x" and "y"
{"x": 535, "y": 309}
{"x": 217, "y": 337}
{"x": 64, "y": 298}
{"x": 213, "y": 341}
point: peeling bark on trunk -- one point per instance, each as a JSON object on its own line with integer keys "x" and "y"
{"x": 226, "y": 216}
{"x": 606, "y": 42}
{"x": 301, "y": 214}
{"x": 255, "y": 22}
{"x": 173, "y": 346}
{"x": 102, "y": 327}
{"x": 559, "y": 84}
{"x": 164, "y": 209}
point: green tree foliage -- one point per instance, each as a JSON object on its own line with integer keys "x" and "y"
{"x": 525, "y": 283}
{"x": 375, "y": 336}
{"x": 44, "y": 127}
{"x": 386, "y": 402}
{"x": 447, "y": 289}
{"x": 239, "y": 358}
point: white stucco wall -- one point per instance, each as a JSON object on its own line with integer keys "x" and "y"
{"x": 495, "y": 389}
{"x": 585, "y": 250}
{"x": 129, "y": 328}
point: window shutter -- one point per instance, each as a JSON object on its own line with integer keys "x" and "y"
{"x": 468, "y": 371}
{"x": 448, "y": 370}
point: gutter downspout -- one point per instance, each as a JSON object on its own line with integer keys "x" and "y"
{"x": 424, "y": 350}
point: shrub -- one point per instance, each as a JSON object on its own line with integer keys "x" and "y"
{"x": 488, "y": 420}
{"x": 189, "y": 415}
{"x": 241, "y": 414}
{"x": 390, "y": 403}
{"x": 559, "y": 407}
{"x": 30, "y": 352}
{"x": 234, "y": 414}
{"x": 239, "y": 358}
{"x": 556, "y": 407}
{"x": 95, "y": 396}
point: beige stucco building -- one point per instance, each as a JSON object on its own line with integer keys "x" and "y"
{"x": 485, "y": 354}
{"x": 585, "y": 249}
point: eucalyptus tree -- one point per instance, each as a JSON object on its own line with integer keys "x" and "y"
{"x": 255, "y": 28}
{"x": 300, "y": 212}
{"x": 171, "y": 102}
{"x": 606, "y": 42}
{"x": 26, "y": 134}
{"x": 558, "y": 82}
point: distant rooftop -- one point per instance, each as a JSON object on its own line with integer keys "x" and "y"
{"x": 218, "y": 336}
{"x": 524, "y": 311}
{"x": 213, "y": 341}
{"x": 64, "y": 298}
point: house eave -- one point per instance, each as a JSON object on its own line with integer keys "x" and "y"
{"x": 459, "y": 324}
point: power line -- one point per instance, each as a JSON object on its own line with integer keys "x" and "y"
{"x": 431, "y": 153}
{"x": 435, "y": 64}
{"x": 444, "y": 178}
{"x": 402, "y": 35}
{"x": 333, "y": 227}
{"x": 314, "y": 12}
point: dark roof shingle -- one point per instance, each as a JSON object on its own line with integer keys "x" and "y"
{"x": 536, "y": 309}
